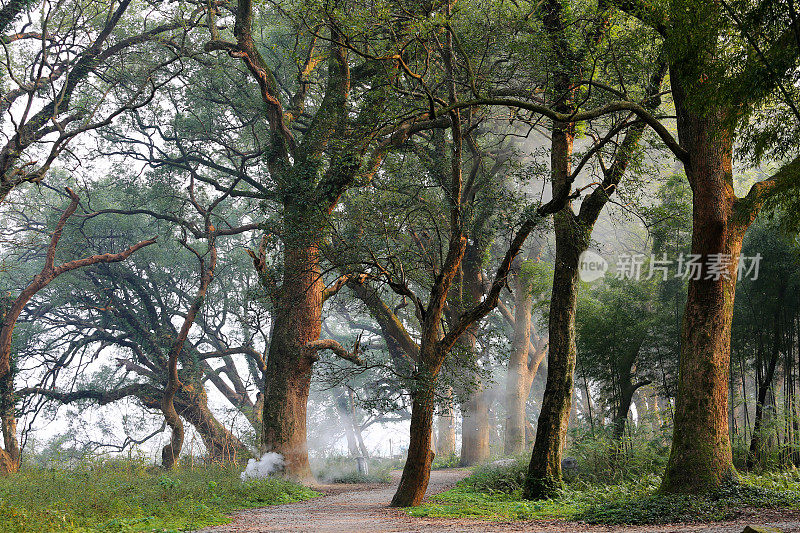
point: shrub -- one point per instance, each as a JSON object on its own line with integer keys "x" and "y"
{"x": 344, "y": 469}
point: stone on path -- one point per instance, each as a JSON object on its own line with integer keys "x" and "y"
{"x": 761, "y": 529}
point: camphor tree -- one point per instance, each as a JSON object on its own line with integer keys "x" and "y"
{"x": 130, "y": 312}
{"x": 725, "y": 61}
{"x": 582, "y": 57}
{"x": 10, "y": 454}
{"x": 442, "y": 248}
{"x": 324, "y": 122}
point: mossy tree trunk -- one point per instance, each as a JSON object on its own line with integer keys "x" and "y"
{"x": 701, "y": 458}
{"x": 297, "y": 322}
{"x": 544, "y": 472}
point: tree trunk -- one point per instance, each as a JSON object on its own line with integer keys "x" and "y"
{"x": 417, "y": 470}
{"x": 474, "y": 411}
{"x": 446, "y": 434}
{"x": 701, "y": 458}
{"x": 344, "y": 411}
{"x": 519, "y": 378}
{"x": 475, "y": 428}
{"x": 10, "y": 454}
{"x": 221, "y": 445}
{"x": 624, "y": 406}
{"x": 288, "y": 378}
{"x": 544, "y": 473}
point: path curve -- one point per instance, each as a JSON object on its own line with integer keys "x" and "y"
{"x": 363, "y": 509}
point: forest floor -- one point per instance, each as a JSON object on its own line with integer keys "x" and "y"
{"x": 349, "y": 508}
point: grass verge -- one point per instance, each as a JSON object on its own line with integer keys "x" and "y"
{"x": 496, "y": 494}
{"x": 124, "y": 496}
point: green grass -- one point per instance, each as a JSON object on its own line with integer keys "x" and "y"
{"x": 128, "y": 496}
{"x": 496, "y": 494}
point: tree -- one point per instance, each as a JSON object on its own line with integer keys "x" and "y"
{"x": 68, "y": 74}
{"x": 10, "y": 454}
{"x": 140, "y": 304}
{"x": 528, "y": 349}
{"x": 319, "y": 145}
{"x": 612, "y": 348}
{"x": 724, "y": 61}
{"x": 573, "y": 231}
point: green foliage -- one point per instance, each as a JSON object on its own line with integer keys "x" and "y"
{"x": 601, "y": 459}
{"x": 630, "y": 502}
{"x": 643, "y": 506}
{"x": 502, "y": 477}
{"x": 449, "y": 461}
{"x": 607, "y": 489}
{"x": 128, "y": 496}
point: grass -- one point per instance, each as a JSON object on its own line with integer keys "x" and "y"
{"x": 128, "y": 496}
{"x": 344, "y": 469}
{"x": 495, "y": 493}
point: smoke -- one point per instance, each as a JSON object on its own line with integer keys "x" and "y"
{"x": 269, "y": 463}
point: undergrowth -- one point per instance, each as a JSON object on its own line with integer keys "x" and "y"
{"x": 597, "y": 494}
{"x": 128, "y": 496}
{"x": 344, "y": 469}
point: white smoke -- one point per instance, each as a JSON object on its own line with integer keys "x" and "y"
{"x": 269, "y": 463}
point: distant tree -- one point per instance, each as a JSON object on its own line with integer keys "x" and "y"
{"x": 130, "y": 312}
{"x": 614, "y": 349}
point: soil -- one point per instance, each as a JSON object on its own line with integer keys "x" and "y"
{"x": 351, "y": 508}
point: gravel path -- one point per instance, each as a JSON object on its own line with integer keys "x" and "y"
{"x": 363, "y": 508}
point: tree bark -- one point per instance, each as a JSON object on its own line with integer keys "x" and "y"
{"x": 446, "y": 434}
{"x": 544, "y": 473}
{"x": 298, "y": 322}
{"x": 523, "y": 365}
{"x": 417, "y": 470}
{"x": 345, "y": 412}
{"x": 10, "y": 454}
{"x": 701, "y": 458}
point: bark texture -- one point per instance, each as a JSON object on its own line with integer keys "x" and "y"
{"x": 288, "y": 377}
{"x": 701, "y": 458}
{"x": 544, "y": 472}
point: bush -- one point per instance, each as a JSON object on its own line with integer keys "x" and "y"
{"x": 448, "y": 461}
{"x": 602, "y": 460}
{"x": 499, "y": 477}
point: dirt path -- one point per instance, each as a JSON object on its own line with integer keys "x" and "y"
{"x": 363, "y": 508}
